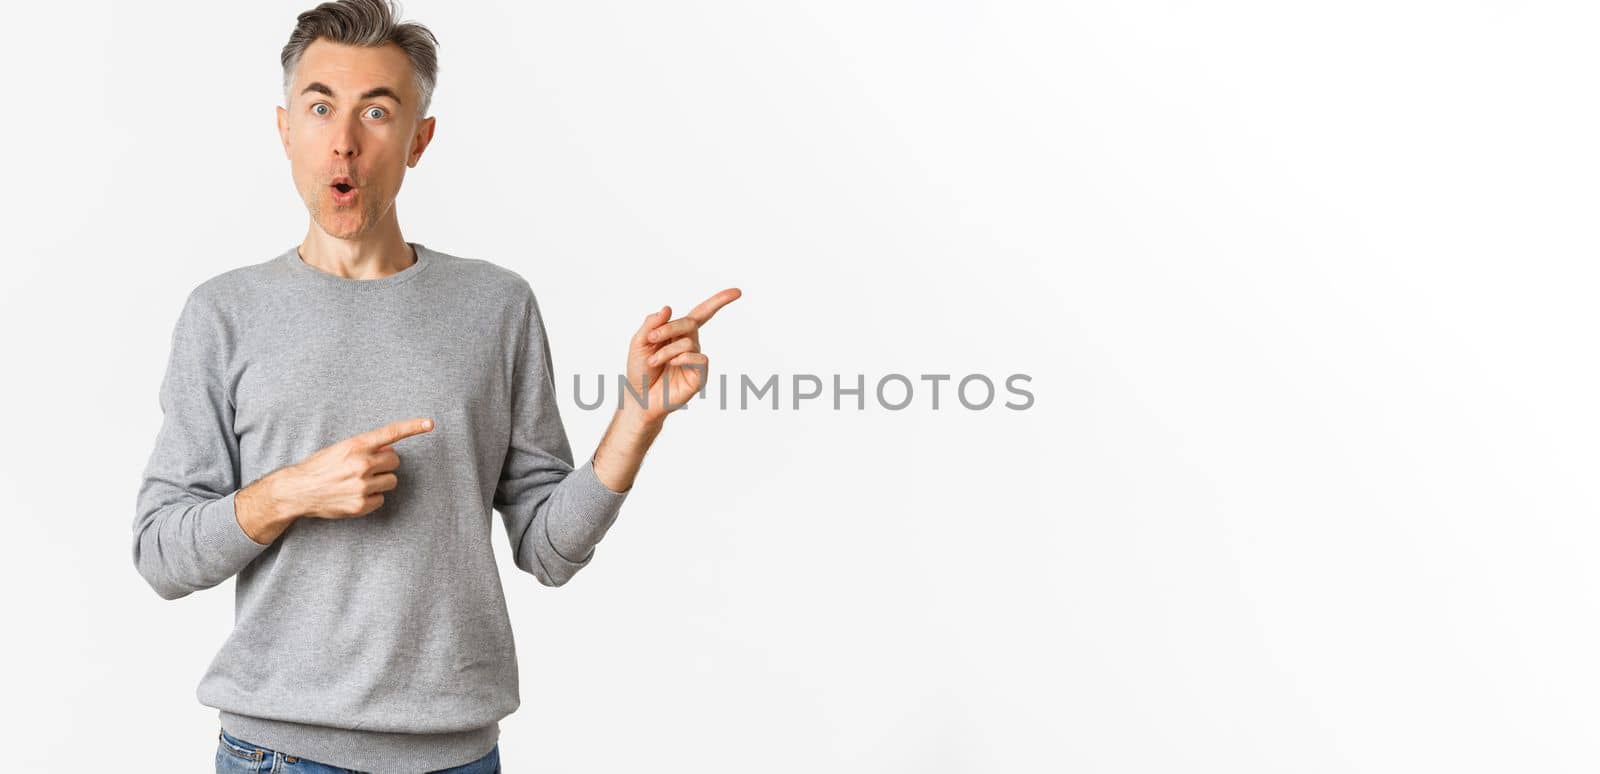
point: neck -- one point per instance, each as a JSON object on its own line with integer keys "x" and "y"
{"x": 379, "y": 252}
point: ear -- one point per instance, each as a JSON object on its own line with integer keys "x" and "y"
{"x": 283, "y": 130}
{"x": 419, "y": 141}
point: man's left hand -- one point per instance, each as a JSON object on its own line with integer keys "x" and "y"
{"x": 666, "y": 357}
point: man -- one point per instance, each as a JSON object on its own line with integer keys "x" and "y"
{"x": 341, "y": 421}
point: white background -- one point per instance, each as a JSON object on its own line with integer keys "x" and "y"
{"x": 1307, "y": 295}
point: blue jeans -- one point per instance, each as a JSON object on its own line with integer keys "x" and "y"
{"x": 236, "y": 755}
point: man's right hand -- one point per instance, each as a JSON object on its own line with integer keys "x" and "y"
{"x": 344, "y": 480}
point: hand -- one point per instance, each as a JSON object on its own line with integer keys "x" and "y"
{"x": 666, "y": 356}
{"x": 348, "y": 478}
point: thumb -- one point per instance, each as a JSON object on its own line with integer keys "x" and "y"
{"x": 651, "y": 321}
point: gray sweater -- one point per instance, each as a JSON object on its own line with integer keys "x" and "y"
{"x": 380, "y": 642}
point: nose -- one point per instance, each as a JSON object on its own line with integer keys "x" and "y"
{"x": 345, "y": 140}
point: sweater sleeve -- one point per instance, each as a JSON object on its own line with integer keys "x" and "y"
{"x": 186, "y": 535}
{"x": 554, "y": 514}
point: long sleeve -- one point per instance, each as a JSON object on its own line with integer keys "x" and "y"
{"x": 186, "y": 535}
{"x": 554, "y": 514}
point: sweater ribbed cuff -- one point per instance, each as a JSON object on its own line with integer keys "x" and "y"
{"x": 221, "y": 536}
{"x": 588, "y": 508}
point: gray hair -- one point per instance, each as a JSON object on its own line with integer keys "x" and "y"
{"x": 365, "y": 23}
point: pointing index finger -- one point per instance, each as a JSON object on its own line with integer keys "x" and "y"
{"x": 702, "y": 313}
{"x": 394, "y": 431}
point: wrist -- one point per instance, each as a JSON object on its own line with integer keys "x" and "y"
{"x": 278, "y": 508}
{"x": 638, "y": 423}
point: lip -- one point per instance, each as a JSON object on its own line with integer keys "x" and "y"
{"x": 347, "y": 197}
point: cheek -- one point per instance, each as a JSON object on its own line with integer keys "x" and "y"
{"x": 303, "y": 178}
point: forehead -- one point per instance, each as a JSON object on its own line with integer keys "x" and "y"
{"x": 351, "y": 70}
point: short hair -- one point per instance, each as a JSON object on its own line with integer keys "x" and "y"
{"x": 369, "y": 23}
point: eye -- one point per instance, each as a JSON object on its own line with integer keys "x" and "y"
{"x": 321, "y": 108}
{"x": 380, "y": 112}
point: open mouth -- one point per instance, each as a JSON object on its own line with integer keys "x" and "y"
{"x": 343, "y": 185}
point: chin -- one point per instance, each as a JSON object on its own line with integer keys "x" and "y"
{"x": 341, "y": 226}
{"x": 345, "y": 232}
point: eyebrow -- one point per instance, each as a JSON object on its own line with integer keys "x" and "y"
{"x": 381, "y": 91}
